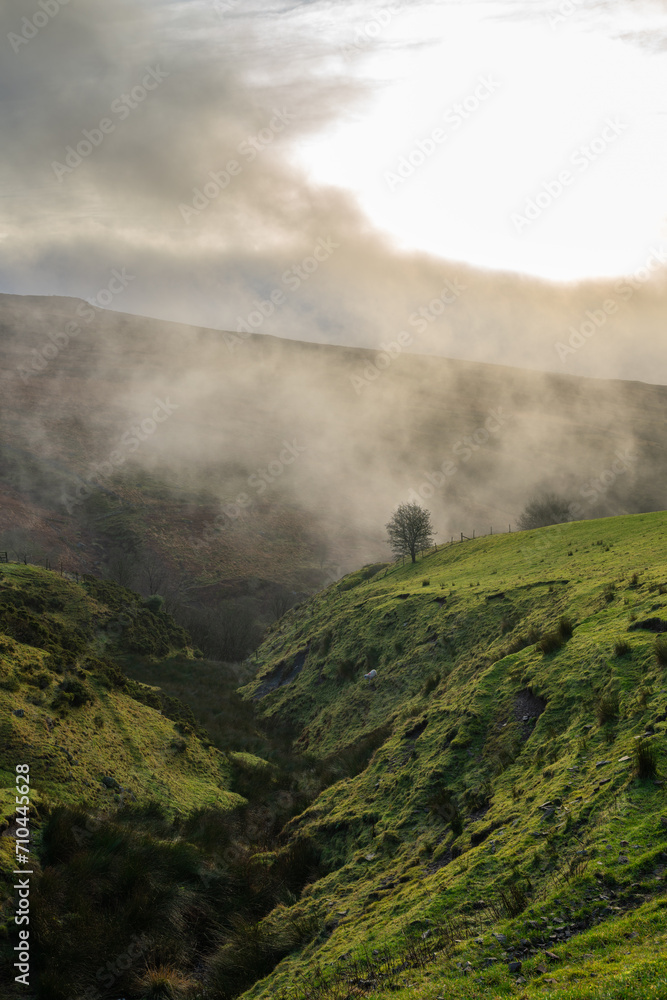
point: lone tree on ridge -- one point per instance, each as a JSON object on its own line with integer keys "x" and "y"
{"x": 410, "y": 530}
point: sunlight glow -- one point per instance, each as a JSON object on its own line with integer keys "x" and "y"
{"x": 517, "y": 103}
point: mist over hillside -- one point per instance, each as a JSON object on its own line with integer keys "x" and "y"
{"x": 237, "y": 456}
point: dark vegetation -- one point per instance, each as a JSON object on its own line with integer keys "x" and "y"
{"x": 543, "y": 510}
{"x": 187, "y": 890}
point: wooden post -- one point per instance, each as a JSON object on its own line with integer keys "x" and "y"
{"x": 473, "y": 532}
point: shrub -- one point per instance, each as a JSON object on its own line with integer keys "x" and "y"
{"x": 432, "y": 683}
{"x": 646, "y": 759}
{"x": 73, "y": 692}
{"x": 41, "y": 680}
{"x": 154, "y": 603}
{"x": 443, "y": 803}
{"x": 661, "y": 650}
{"x": 426, "y": 583}
{"x": 610, "y": 592}
{"x": 634, "y": 580}
{"x": 551, "y": 642}
{"x": 544, "y": 510}
{"x": 566, "y": 628}
{"x": 113, "y": 882}
{"x": 608, "y": 708}
{"x": 164, "y": 982}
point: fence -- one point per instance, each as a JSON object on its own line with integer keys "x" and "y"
{"x": 25, "y": 559}
{"x": 425, "y": 553}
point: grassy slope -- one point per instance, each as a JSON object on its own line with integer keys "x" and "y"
{"x": 60, "y": 639}
{"x": 70, "y": 749}
{"x": 547, "y": 804}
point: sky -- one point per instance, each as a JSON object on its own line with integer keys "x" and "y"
{"x": 487, "y": 177}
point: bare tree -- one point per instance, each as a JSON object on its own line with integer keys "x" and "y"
{"x": 410, "y": 530}
{"x": 122, "y": 567}
{"x": 543, "y": 510}
{"x": 281, "y": 602}
{"x": 154, "y": 572}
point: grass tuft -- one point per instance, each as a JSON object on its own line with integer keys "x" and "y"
{"x": 661, "y": 650}
{"x": 645, "y": 759}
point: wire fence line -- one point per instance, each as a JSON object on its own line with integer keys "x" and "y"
{"x": 425, "y": 553}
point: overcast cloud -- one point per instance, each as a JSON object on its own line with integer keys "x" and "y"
{"x": 118, "y": 118}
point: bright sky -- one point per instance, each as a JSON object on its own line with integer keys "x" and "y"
{"x": 557, "y": 81}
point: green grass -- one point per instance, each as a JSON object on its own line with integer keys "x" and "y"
{"x": 81, "y": 720}
{"x": 396, "y": 859}
{"x": 341, "y": 832}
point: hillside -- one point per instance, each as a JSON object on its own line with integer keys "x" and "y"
{"x": 486, "y": 819}
{"x": 509, "y": 799}
{"x": 67, "y": 707}
{"x": 112, "y": 766}
{"x": 272, "y": 465}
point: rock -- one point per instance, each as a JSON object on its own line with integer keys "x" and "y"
{"x": 501, "y": 938}
{"x": 551, "y": 956}
{"x": 19, "y": 713}
{"x": 602, "y": 763}
{"x": 540, "y": 970}
{"x": 514, "y": 967}
{"x": 110, "y": 782}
